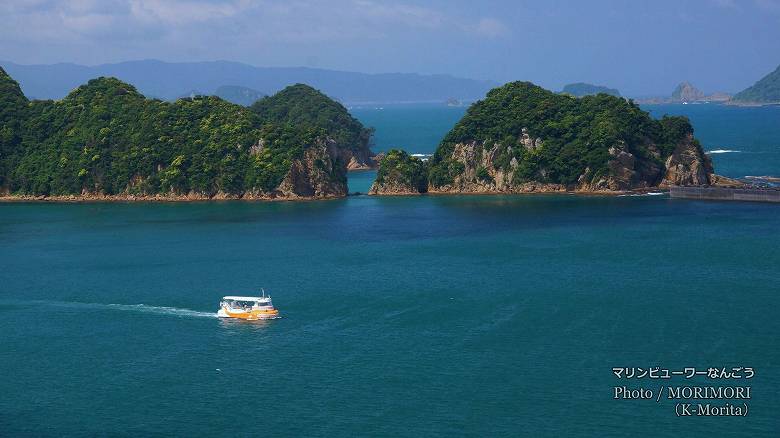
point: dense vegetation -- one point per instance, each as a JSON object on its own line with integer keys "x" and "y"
{"x": 303, "y": 105}
{"x": 13, "y": 108}
{"x": 581, "y": 89}
{"x": 576, "y": 133}
{"x": 766, "y": 90}
{"x": 105, "y": 137}
{"x": 403, "y": 169}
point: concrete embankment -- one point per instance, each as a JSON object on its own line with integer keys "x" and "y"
{"x": 726, "y": 193}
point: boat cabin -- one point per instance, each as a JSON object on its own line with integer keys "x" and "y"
{"x": 246, "y": 303}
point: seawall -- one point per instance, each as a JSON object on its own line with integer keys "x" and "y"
{"x": 726, "y": 193}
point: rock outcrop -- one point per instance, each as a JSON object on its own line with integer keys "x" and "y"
{"x": 686, "y": 92}
{"x": 318, "y": 174}
{"x": 400, "y": 174}
{"x": 688, "y": 165}
{"x": 360, "y": 158}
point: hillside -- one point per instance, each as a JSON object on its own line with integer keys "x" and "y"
{"x": 106, "y": 139}
{"x": 301, "y": 104}
{"x": 766, "y": 90}
{"x": 581, "y": 89}
{"x": 13, "y": 108}
{"x": 168, "y": 81}
{"x": 523, "y": 138}
{"x": 400, "y": 174}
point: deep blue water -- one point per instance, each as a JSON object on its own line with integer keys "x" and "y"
{"x": 412, "y": 316}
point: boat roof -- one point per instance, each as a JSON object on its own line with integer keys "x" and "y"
{"x": 238, "y": 298}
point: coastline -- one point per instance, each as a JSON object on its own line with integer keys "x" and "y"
{"x": 77, "y": 199}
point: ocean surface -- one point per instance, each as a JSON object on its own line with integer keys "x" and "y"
{"x": 411, "y": 316}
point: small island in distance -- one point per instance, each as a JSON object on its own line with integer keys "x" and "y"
{"x": 581, "y": 89}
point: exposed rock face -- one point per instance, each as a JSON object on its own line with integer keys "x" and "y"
{"x": 360, "y": 159}
{"x": 685, "y": 92}
{"x": 626, "y": 172}
{"x": 687, "y": 165}
{"x": 319, "y": 174}
{"x": 481, "y": 175}
{"x": 529, "y": 142}
{"x": 722, "y": 181}
{"x": 400, "y": 174}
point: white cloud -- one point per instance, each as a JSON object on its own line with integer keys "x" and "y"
{"x": 178, "y": 12}
{"x": 489, "y": 27}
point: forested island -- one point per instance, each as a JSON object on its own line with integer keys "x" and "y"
{"x": 522, "y": 138}
{"x": 107, "y": 141}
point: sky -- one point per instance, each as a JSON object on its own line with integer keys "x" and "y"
{"x": 641, "y": 47}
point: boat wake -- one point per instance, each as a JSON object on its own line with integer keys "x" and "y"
{"x": 142, "y": 308}
{"x": 175, "y": 311}
{"x": 644, "y": 194}
{"x": 722, "y": 151}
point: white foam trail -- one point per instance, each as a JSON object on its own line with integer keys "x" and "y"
{"x": 722, "y": 151}
{"x": 176, "y": 311}
{"x": 644, "y": 194}
{"x": 143, "y": 308}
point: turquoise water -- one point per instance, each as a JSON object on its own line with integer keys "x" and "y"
{"x": 412, "y": 316}
{"x": 746, "y": 140}
{"x": 418, "y": 129}
{"x": 750, "y": 135}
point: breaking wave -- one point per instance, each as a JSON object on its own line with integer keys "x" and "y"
{"x": 722, "y": 151}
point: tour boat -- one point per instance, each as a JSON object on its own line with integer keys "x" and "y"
{"x": 247, "y": 308}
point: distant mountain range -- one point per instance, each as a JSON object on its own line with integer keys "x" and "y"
{"x": 239, "y": 95}
{"x": 766, "y": 90}
{"x": 168, "y": 81}
{"x": 580, "y": 89}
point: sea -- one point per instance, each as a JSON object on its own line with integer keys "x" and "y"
{"x": 480, "y": 316}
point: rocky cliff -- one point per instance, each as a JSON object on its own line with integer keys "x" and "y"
{"x": 318, "y": 174}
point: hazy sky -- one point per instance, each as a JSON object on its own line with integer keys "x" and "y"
{"x": 640, "y": 47}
